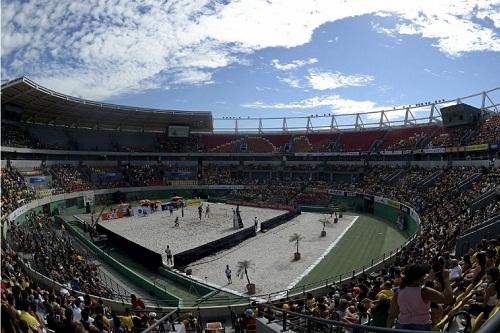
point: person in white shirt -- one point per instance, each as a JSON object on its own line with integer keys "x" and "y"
{"x": 455, "y": 271}
{"x": 77, "y": 311}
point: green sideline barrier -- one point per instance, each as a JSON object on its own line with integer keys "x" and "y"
{"x": 381, "y": 210}
{"x": 200, "y": 289}
{"x": 154, "y": 290}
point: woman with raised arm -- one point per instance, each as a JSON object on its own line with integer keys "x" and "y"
{"x": 411, "y": 305}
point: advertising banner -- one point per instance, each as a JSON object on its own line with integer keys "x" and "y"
{"x": 434, "y": 150}
{"x": 380, "y": 200}
{"x": 391, "y": 152}
{"x": 480, "y": 147}
{"x": 88, "y": 196}
{"x": 336, "y": 192}
{"x": 414, "y": 215}
{"x": 112, "y": 216}
{"x": 392, "y": 203}
{"x": 141, "y": 211}
{"x": 405, "y": 209}
{"x": 39, "y": 180}
{"x": 368, "y": 197}
{"x": 167, "y": 206}
{"x": 43, "y": 193}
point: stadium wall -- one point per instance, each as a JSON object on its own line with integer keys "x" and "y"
{"x": 139, "y": 253}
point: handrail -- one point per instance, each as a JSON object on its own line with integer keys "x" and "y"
{"x": 331, "y": 323}
{"x": 160, "y": 321}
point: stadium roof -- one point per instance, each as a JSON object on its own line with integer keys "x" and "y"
{"x": 43, "y": 106}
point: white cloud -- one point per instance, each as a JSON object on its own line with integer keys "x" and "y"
{"x": 332, "y": 80}
{"x": 429, "y": 71}
{"x": 193, "y": 76}
{"x": 336, "y": 104}
{"x": 291, "y": 80}
{"x": 100, "y": 48}
{"x": 454, "y": 25}
{"x": 292, "y": 65}
{"x": 341, "y": 106}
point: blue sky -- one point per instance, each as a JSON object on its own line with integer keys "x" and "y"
{"x": 255, "y": 58}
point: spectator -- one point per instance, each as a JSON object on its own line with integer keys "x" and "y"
{"x": 411, "y": 304}
{"x": 137, "y": 303}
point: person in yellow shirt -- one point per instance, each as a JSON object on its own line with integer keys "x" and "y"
{"x": 26, "y": 316}
{"x": 127, "y": 320}
{"x": 386, "y": 290}
{"x": 24, "y": 282}
{"x": 311, "y": 301}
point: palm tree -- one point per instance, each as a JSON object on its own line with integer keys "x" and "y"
{"x": 242, "y": 269}
{"x": 325, "y": 221}
{"x": 296, "y": 238}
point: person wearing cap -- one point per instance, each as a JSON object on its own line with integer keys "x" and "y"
{"x": 151, "y": 318}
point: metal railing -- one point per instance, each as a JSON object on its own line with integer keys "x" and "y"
{"x": 166, "y": 320}
{"x": 299, "y": 322}
{"x": 305, "y": 323}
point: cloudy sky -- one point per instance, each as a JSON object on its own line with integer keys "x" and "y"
{"x": 254, "y": 57}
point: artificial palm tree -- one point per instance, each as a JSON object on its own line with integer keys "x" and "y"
{"x": 325, "y": 221}
{"x": 242, "y": 271}
{"x": 296, "y": 238}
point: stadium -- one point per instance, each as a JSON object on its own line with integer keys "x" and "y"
{"x": 365, "y": 218}
{"x": 386, "y": 186}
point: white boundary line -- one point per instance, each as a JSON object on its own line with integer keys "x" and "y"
{"x": 320, "y": 258}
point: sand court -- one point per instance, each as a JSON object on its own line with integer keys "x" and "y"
{"x": 272, "y": 255}
{"x": 158, "y": 230}
{"x": 271, "y": 252}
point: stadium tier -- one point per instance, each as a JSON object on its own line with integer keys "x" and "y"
{"x": 36, "y": 117}
{"x": 327, "y": 226}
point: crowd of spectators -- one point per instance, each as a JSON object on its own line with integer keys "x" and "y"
{"x": 54, "y": 255}
{"x": 13, "y": 136}
{"x": 29, "y": 308}
{"x": 143, "y": 175}
{"x": 486, "y": 132}
{"x": 68, "y": 179}
{"x": 490, "y": 131}
{"x": 15, "y": 192}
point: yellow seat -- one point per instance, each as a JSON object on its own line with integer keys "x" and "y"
{"x": 478, "y": 321}
{"x": 455, "y": 309}
{"x": 493, "y": 312}
{"x": 439, "y": 326}
{"x": 469, "y": 289}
